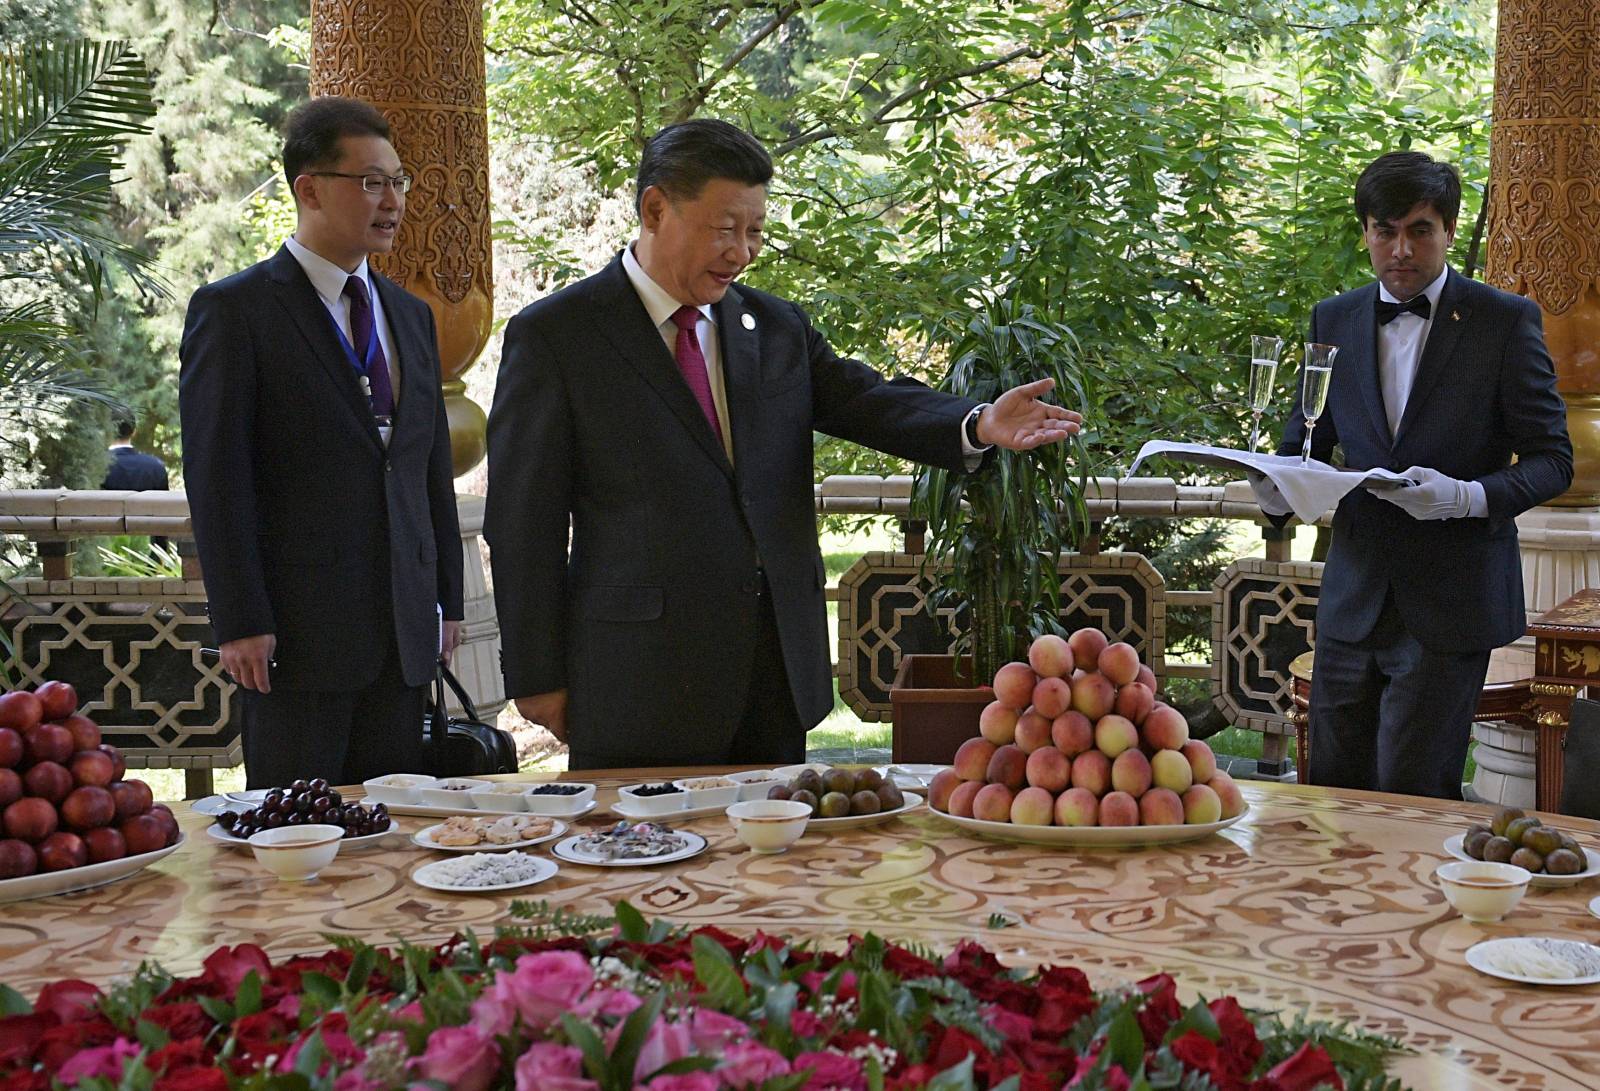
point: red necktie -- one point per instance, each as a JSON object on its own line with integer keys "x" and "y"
{"x": 692, "y": 363}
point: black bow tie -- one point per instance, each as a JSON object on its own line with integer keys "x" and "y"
{"x": 1417, "y": 305}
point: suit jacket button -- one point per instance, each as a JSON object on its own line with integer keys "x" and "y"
{"x": 387, "y": 465}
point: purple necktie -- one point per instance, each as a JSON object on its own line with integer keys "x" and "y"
{"x": 362, "y": 335}
{"x": 692, "y": 362}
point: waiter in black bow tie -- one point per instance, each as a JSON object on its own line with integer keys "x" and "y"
{"x": 1447, "y": 381}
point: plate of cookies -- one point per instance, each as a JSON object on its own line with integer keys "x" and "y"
{"x": 489, "y": 833}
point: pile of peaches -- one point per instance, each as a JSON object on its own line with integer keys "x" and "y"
{"x": 63, "y": 800}
{"x": 1076, "y": 737}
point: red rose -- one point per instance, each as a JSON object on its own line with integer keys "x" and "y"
{"x": 1114, "y": 1078}
{"x": 1309, "y": 1068}
{"x": 951, "y": 1046}
{"x": 19, "y": 1080}
{"x": 907, "y": 966}
{"x": 185, "y": 1020}
{"x": 1240, "y": 1048}
{"x": 193, "y": 1079}
{"x": 20, "y": 1036}
{"x": 227, "y": 966}
{"x": 972, "y": 959}
{"x": 69, "y": 1000}
{"x": 255, "y": 1036}
{"x": 1160, "y": 1009}
{"x": 334, "y": 964}
{"x": 59, "y": 1043}
{"x": 1069, "y": 978}
{"x": 1059, "y": 1010}
{"x": 730, "y": 942}
{"x": 1045, "y": 1058}
{"x": 188, "y": 1053}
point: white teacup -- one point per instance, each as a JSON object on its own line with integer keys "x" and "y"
{"x": 769, "y": 825}
{"x": 296, "y": 853}
{"x": 1481, "y": 891}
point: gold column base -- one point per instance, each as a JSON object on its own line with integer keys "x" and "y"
{"x": 1583, "y": 424}
{"x": 469, "y": 427}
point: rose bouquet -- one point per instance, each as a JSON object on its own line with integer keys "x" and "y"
{"x": 569, "y": 1003}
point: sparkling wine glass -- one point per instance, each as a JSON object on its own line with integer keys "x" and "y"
{"x": 1316, "y": 375}
{"x": 1264, "y": 351}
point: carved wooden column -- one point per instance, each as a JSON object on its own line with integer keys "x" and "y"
{"x": 421, "y": 63}
{"x": 1544, "y": 199}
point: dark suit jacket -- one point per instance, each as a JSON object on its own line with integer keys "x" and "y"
{"x": 305, "y": 525}
{"x": 1485, "y": 390}
{"x": 134, "y": 470}
{"x": 649, "y": 620}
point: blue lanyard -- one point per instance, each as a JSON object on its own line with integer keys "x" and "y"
{"x": 363, "y": 367}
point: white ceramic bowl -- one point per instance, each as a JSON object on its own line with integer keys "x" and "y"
{"x": 719, "y": 796}
{"x": 769, "y": 825}
{"x": 452, "y": 792}
{"x": 1481, "y": 891}
{"x": 670, "y": 803}
{"x": 296, "y": 853}
{"x": 754, "y": 783}
{"x": 397, "y": 788}
{"x": 557, "y": 806}
{"x": 499, "y": 797}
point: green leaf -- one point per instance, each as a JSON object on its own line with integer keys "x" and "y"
{"x": 13, "y": 1003}
{"x": 150, "y": 1036}
{"x": 631, "y": 925}
{"x": 361, "y": 967}
{"x": 1197, "y": 1018}
{"x": 957, "y": 1077}
{"x": 714, "y": 969}
{"x": 625, "y": 1054}
{"x": 321, "y": 990}
{"x": 1125, "y": 1041}
{"x": 247, "y": 998}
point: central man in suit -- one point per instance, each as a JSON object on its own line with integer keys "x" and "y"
{"x": 650, "y": 512}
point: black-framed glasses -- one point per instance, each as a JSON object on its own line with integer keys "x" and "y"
{"x": 372, "y": 183}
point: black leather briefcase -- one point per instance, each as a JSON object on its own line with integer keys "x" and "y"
{"x": 463, "y": 746}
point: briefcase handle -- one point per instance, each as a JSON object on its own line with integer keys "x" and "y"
{"x": 438, "y": 715}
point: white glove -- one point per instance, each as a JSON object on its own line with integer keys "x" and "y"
{"x": 1268, "y": 498}
{"x": 1434, "y": 496}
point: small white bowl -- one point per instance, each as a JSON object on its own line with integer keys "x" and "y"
{"x": 452, "y": 792}
{"x": 500, "y": 797}
{"x": 296, "y": 853}
{"x": 397, "y": 788}
{"x": 1481, "y": 891}
{"x": 720, "y": 796}
{"x": 754, "y": 783}
{"x": 769, "y": 825}
{"x": 669, "y": 803}
{"x": 557, "y": 806}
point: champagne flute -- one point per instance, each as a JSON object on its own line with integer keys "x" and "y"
{"x": 1316, "y": 375}
{"x": 1264, "y": 351}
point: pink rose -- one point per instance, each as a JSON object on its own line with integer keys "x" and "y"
{"x": 684, "y": 1081}
{"x": 712, "y": 1031}
{"x": 612, "y": 1003}
{"x": 105, "y": 1062}
{"x": 549, "y": 1067}
{"x": 805, "y": 1023}
{"x": 492, "y": 1012}
{"x": 461, "y": 1058}
{"x": 831, "y": 1070}
{"x": 747, "y": 1064}
{"x": 664, "y": 1043}
{"x": 356, "y": 1079}
{"x": 545, "y": 986}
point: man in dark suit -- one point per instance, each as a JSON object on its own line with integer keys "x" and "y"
{"x": 666, "y": 414}
{"x": 317, "y": 459}
{"x": 1444, "y": 380}
{"x": 130, "y": 469}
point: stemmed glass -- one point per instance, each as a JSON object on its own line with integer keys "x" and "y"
{"x": 1316, "y": 374}
{"x": 1264, "y": 351}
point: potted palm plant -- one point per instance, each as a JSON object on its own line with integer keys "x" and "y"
{"x": 995, "y": 534}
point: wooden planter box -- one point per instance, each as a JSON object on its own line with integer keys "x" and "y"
{"x": 933, "y": 712}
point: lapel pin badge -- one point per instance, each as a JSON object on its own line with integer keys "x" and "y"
{"x": 1455, "y": 316}
{"x": 748, "y": 321}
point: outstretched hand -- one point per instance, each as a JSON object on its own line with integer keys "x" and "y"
{"x": 1019, "y": 421}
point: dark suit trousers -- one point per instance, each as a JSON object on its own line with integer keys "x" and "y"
{"x": 345, "y": 736}
{"x": 1389, "y": 715}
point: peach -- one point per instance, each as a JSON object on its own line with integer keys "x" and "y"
{"x": 169, "y": 822}
{"x": 105, "y": 844}
{"x": 1202, "y": 762}
{"x": 972, "y": 759}
{"x": 88, "y": 808}
{"x": 10, "y": 788}
{"x": 1033, "y": 730}
{"x": 85, "y": 733}
{"x": 20, "y": 710}
{"x": 1165, "y": 728}
{"x": 143, "y": 834}
{"x": 1052, "y": 697}
{"x": 1147, "y": 678}
{"x": 1228, "y": 792}
{"x": 997, "y": 723}
{"x": 1013, "y": 685}
{"x": 1072, "y": 733}
{"x": 992, "y": 803}
{"x": 57, "y": 700}
{"x": 91, "y": 767}
{"x": 943, "y": 783}
{"x": 1170, "y": 769}
{"x": 1130, "y": 773}
{"x": 1093, "y": 695}
{"x": 1201, "y": 805}
{"x": 118, "y": 765}
{"x": 1119, "y": 809}
{"x": 1134, "y": 701}
{"x": 17, "y": 858}
{"x": 961, "y": 799}
{"x": 1161, "y": 807}
{"x": 1077, "y": 807}
{"x": 49, "y": 742}
{"x": 48, "y": 781}
{"x": 62, "y": 850}
{"x": 1008, "y": 766}
{"x": 1092, "y": 770}
{"x": 1120, "y": 663}
{"x": 1086, "y": 645}
{"x": 1115, "y": 734}
{"x": 1050, "y": 769}
{"x": 11, "y": 748}
{"x": 1033, "y": 807}
{"x": 1050, "y": 656}
{"x": 133, "y": 797}
{"x": 30, "y": 819}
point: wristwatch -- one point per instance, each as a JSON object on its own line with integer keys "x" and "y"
{"x": 971, "y": 426}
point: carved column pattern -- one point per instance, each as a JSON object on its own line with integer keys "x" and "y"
{"x": 1544, "y": 198}
{"x": 421, "y": 63}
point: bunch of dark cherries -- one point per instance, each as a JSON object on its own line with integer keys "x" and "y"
{"x": 304, "y": 803}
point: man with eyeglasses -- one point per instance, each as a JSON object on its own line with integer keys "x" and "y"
{"x": 316, "y": 456}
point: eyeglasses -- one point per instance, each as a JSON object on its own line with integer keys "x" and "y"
{"x": 372, "y": 183}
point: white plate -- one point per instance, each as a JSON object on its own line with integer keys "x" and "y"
{"x": 853, "y": 821}
{"x": 249, "y": 799}
{"x": 424, "y": 838}
{"x": 911, "y": 775}
{"x": 792, "y": 771}
{"x": 420, "y": 810}
{"x": 1585, "y": 956}
{"x": 567, "y": 850}
{"x": 1594, "y": 905}
{"x": 1091, "y": 836}
{"x": 212, "y": 806}
{"x": 217, "y": 833}
{"x": 46, "y": 883}
{"x": 625, "y": 808}
{"x": 1452, "y": 845}
{"x": 423, "y": 876}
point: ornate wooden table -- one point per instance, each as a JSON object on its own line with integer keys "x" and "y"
{"x": 1319, "y": 898}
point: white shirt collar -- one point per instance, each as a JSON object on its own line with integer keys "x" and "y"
{"x": 658, "y": 303}
{"x": 326, "y": 277}
{"x": 1432, "y": 291}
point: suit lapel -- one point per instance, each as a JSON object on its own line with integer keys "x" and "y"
{"x": 1364, "y": 347}
{"x": 1443, "y": 337}
{"x": 410, "y": 345}
{"x": 622, "y": 319}
{"x": 741, "y": 369}
{"x": 305, "y": 308}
